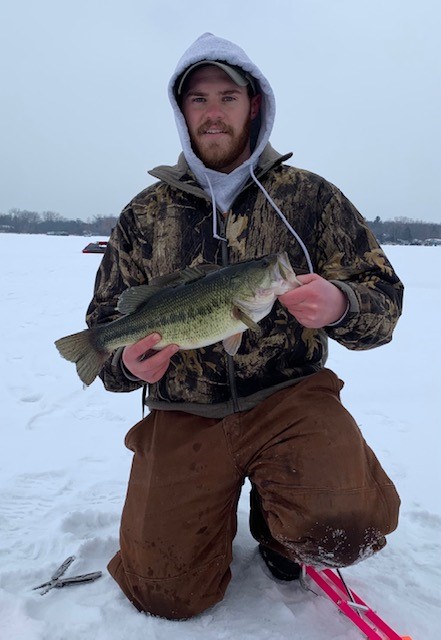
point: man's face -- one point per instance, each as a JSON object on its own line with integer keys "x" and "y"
{"x": 218, "y": 114}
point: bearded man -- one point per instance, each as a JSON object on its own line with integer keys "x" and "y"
{"x": 271, "y": 413}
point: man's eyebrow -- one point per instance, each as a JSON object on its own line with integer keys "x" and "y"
{"x": 196, "y": 92}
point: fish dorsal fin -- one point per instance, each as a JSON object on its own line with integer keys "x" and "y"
{"x": 232, "y": 343}
{"x": 241, "y": 315}
{"x": 185, "y": 276}
{"x": 133, "y": 298}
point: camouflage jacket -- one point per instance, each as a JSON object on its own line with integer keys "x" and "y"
{"x": 169, "y": 226}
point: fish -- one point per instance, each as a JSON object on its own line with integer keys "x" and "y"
{"x": 193, "y": 308}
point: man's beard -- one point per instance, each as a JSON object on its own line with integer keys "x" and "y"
{"x": 218, "y": 156}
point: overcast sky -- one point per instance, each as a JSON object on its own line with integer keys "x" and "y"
{"x": 84, "y": 111}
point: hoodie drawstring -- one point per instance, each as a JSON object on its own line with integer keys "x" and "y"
{"x": 274, "y": 206}
{"x": 284, "y": 220}
{"x": 213, "y": 201}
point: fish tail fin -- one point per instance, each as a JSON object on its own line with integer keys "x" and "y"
{"x": 81, "y": 349}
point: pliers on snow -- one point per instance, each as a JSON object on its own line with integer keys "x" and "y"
{"x": 56, "y": 582}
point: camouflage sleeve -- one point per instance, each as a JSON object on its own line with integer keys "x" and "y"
{"x": 120, "y": 268}
{"x": 350, "y": 257}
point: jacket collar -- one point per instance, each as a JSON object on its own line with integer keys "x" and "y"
{"x": 181, "y": 177}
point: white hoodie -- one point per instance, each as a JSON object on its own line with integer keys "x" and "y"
{"x": 223, "y": 187}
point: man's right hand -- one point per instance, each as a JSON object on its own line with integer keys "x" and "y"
{"x": 144, "y": 365}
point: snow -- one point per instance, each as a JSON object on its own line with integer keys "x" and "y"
{"x": 64, "y": 470}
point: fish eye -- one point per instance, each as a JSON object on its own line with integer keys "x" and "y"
{"x": 265, "y": 263}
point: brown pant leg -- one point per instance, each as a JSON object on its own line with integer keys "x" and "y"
{"x": 319, "y": 493}
{"x": 179, "y": 518}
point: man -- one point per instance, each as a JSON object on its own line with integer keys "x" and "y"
{"x": 272, "y": 412}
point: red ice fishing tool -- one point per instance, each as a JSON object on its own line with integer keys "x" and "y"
{"x": 56, "y": 582}
{"x": 351, "y": 605}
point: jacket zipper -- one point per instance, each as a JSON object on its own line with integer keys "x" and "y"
{"x": 230, "y": 362}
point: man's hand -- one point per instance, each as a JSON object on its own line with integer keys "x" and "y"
{"x": 144, "y": 365}
{"x": 316, "y": 303}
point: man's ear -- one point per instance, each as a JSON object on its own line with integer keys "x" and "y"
{"x": 256, "y": 101}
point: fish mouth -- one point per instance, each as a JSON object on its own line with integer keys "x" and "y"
{"x": 282, "y": 273}
{"x": 284, "y": 270}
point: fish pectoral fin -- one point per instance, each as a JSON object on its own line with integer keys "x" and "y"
{"x": 241, "y": 315}
{"x": 232, "y": 343}
{"x": 133, "y": 298}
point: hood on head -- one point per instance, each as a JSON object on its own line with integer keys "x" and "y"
{"x": 210, "y": 47}
{"x": 223, "y": 188}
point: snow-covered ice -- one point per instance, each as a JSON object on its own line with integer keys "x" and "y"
{"x": 64, "y": 470}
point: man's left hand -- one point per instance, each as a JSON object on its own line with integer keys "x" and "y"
{"x": 317, "y": 303}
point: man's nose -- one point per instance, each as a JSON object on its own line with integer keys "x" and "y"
{"x": 214, "y": 111}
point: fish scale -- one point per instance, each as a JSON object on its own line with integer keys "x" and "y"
{"x": 184, "y": 315}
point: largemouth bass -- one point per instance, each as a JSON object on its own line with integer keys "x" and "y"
{"x": 194, "y": 308}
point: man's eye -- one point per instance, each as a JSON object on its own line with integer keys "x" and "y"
{"x": 198, "y": 99}
{"x": 229, "y": 98}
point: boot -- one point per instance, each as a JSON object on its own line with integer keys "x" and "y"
{"x": 280, "y": 567}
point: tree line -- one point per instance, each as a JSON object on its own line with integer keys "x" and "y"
{"x": 400, "y": 230}
{"x": 50, "y": 222}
